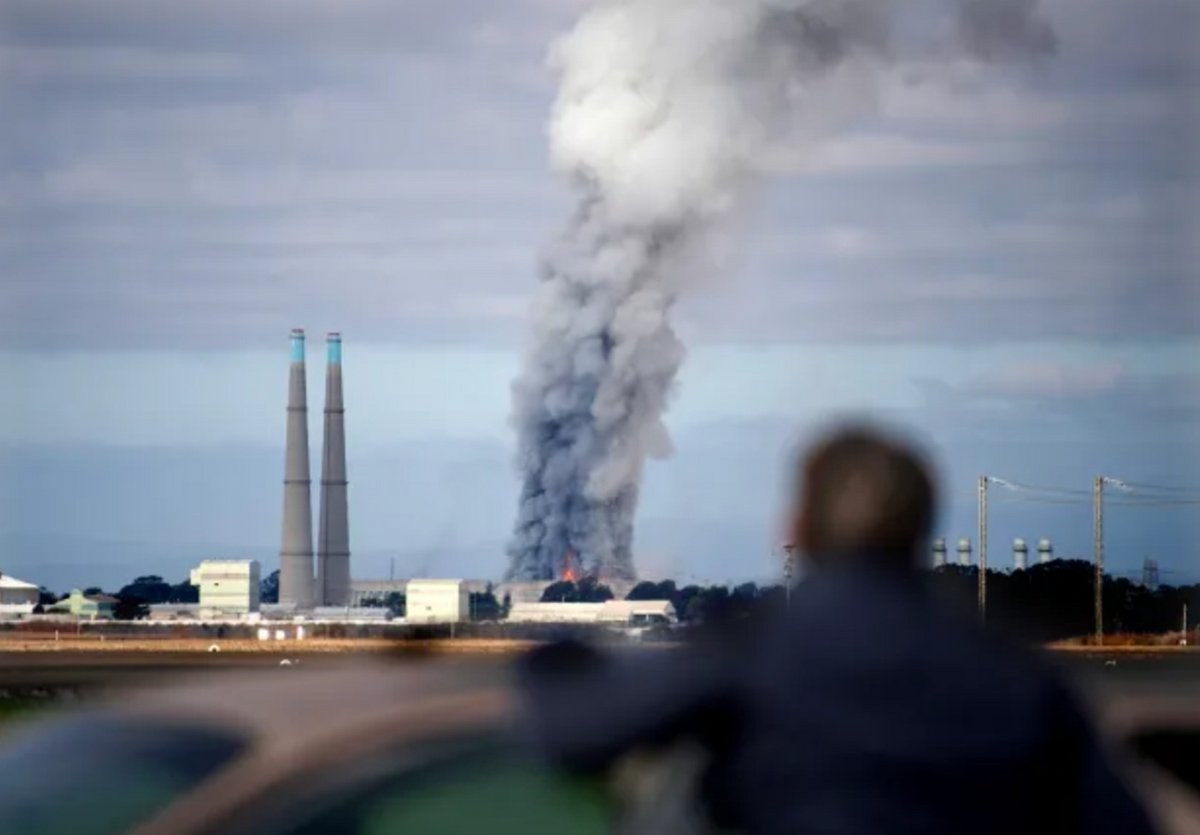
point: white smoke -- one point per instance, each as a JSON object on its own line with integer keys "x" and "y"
{"x": 667, "y": 112}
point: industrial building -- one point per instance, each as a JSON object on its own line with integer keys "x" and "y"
{"x": 351, "y": 614}
{"x": 80, "y": 605}
{"x": 230, "y": 587}
{"x": 610, "y": 612}
{"x": 299, "y": 587}
{"x": 365, "y": 590}
{"x": 17, "y": 592}
{"x": 437, "y": 601}
{"x": 17, "y": 597}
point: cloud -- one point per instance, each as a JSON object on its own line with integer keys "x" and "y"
{"x": 191, "y": 175}
{"x": 1046, "y": 379}
{"x": 1104, "y": 397}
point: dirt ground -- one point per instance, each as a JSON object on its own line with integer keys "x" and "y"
{"x": 103, "y": 643}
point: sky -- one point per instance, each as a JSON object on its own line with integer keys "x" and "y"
{"x": 1004, "y": 263}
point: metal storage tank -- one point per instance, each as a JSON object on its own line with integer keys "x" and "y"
{"x": 1045, "y": 551}
{"x": 964, "y": 551}
{"x": 1020, "y": 554}
{"x": 939, "y": 552}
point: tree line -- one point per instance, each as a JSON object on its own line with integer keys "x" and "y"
{"x": 1046, "y": 602}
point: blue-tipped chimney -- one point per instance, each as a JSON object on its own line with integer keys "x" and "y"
{"x": 333, "y": 537}
{"x": 296, "y": 551}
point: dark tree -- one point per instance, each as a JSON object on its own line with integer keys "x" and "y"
{"x": 92, "y": 591}
{"x": 648, "y": 590}
{"x": 682, "y": 598}
{"x": 564, "y": 591}
{"x": 484, "y": 605}
{"x": 592, "y": 591}
{"x": 46, "y": 597}
{"x": 396, "y": 602}
{"x": 712, "y": 603}
{"x": 268, "y": 588}
{"x": 184, "y": 592}
{"x": 150, "y": 589}
{"x": 130, "y": 608}
{"x": 645, "y": 590}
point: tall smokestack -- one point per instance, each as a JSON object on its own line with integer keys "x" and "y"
{"x": 296, "y": 552}
{"x": 333, "y": 538}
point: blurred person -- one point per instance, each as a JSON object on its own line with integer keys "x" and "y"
{"x": 865, "y": 707}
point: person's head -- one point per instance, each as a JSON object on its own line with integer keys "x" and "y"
{"x": 861, "y": 495}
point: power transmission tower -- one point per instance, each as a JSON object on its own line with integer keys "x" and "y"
{"x": 1150, "y": 574}
{"x": 983, "y": 512}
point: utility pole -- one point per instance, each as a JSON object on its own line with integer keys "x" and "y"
{"x": 789, "y": 556}
{"x": 983, "y": 512}
{"x": 1098, "y": 555}
{"x": 1098, "y": 544}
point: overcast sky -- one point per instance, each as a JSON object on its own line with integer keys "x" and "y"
{"x": 1006, "y": 261}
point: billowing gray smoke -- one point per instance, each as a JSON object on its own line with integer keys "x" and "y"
{"x": 666, "y": 112}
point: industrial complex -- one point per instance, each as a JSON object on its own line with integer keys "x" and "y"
{"x": 316, "y": 585}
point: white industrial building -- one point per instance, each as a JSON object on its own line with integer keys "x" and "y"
{"x": 437, "y": 601}
{"x": 230, "y": 587}
{"x": 351, "y": 614}
{"x": 366, "y": 590}
{"x": 611, "y": 612}
{"x": 17, "y": 597}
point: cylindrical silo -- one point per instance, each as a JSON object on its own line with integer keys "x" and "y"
{"x": 964, "y": 551}
{"x": 1045, "y": 551}
{"x": 939, "y": 552}
{"x": 1020, "y": 554}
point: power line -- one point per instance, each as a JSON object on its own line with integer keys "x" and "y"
{"x": 1038, "y": 500}
{"x": 1162, "y": 487}
{"x": 1135, "y": 501}
{"x": 1018, "y": 486}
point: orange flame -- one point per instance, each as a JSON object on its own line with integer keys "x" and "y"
{"x": 569, "y": 574}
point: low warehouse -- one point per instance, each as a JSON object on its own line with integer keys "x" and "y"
{"x": 17, "y": 597}
{"x": 14, "y": 592}
{"x": 613, "y": 612}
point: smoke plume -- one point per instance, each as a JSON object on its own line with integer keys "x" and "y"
{"x": 665, "y": 113}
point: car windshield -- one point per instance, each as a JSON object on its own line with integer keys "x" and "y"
{"x": 101, "y": 775}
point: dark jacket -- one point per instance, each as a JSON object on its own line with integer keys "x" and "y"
{"x": 866, "y": 708}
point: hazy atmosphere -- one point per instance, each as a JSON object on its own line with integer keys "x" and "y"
{"x": 1005, "y": 262}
